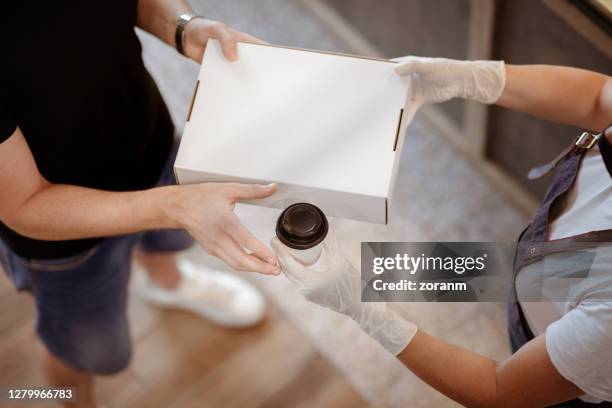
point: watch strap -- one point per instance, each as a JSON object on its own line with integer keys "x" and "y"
{"x": 183, "y": 20}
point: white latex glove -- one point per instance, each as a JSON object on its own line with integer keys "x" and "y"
{"x": 439, "y": 79}
{"x": 332, "y": 282}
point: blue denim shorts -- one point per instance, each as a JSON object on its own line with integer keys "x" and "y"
{"x": 81, "y": 301}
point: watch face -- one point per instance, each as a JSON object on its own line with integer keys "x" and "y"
{"x": 185, "y": 18}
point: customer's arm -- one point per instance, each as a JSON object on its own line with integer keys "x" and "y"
{"x": 566, "y": 95}
{"x": 35, "y": 208}
{"x": 160, "y": 17}
{"x": 526, "y": 379}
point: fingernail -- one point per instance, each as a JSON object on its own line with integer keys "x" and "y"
{"x": 270, "y": 185}
{"x": 271, "y": 260}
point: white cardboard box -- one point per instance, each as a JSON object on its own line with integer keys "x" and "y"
{"x": 328, "y": 128}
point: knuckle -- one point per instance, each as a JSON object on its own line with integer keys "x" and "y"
{"x": 253, "y": 243}
{"x": 214, "y": 242}
{"x": 233, "y": 188}
{"x": 226, "y": 223}
{"x": 218, "y": 225}
{"x": 253, "y": 189}
{"x": 219, "y": 28}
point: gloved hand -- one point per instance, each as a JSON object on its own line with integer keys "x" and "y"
{"x": 332, "y": 282}
{"x": 439, "y": 79}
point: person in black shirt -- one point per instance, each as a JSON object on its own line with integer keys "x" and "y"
{"x": 86, "y": 146}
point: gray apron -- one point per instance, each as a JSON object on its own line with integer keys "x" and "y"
{"x": 533, "y": 243}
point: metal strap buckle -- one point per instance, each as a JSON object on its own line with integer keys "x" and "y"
{"x": 586, "y": 140}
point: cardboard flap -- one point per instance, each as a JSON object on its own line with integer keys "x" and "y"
{"x": 399, "y": 128}
{"x": 193, "y": 98}
{"x": 386, "y": 211}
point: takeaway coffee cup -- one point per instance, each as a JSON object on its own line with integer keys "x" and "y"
{"x": 302, "y": 227}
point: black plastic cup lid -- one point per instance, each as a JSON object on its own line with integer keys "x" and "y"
{"x": 302, "y": 226}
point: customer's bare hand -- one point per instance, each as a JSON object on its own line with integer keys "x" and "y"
{"x": 199, "y": 31}
{"x": 206, "y": 211}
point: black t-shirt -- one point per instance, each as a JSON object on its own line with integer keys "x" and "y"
{"x": 72, "y": 78}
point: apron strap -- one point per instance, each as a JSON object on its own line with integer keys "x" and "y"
{"x": 537, "y": 250}
{"x": 583, "y": 143}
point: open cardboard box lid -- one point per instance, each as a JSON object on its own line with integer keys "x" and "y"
{"x": 328, "y": 128}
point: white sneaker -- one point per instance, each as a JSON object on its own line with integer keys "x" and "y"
{"x": 218, "y": 296}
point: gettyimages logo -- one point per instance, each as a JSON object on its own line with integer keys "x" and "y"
{"x": 435, "y": 271}
{"x": 412, "y": 264}
{"x": 478, "y": 272}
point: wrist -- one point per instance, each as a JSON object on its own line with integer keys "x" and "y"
{"x": 357, "y": 311}
{"x": 387, "y": 327}
{"x": 167, "y": 202}
{"x": 185, "y": 31}
{"x": 487, "y": 80}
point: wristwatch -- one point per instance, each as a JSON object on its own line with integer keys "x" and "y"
{"x": 183, "y": 20}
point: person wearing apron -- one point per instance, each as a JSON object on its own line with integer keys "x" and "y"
{"x": 534, "y": 244}
{"x": 562, "y": 346}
